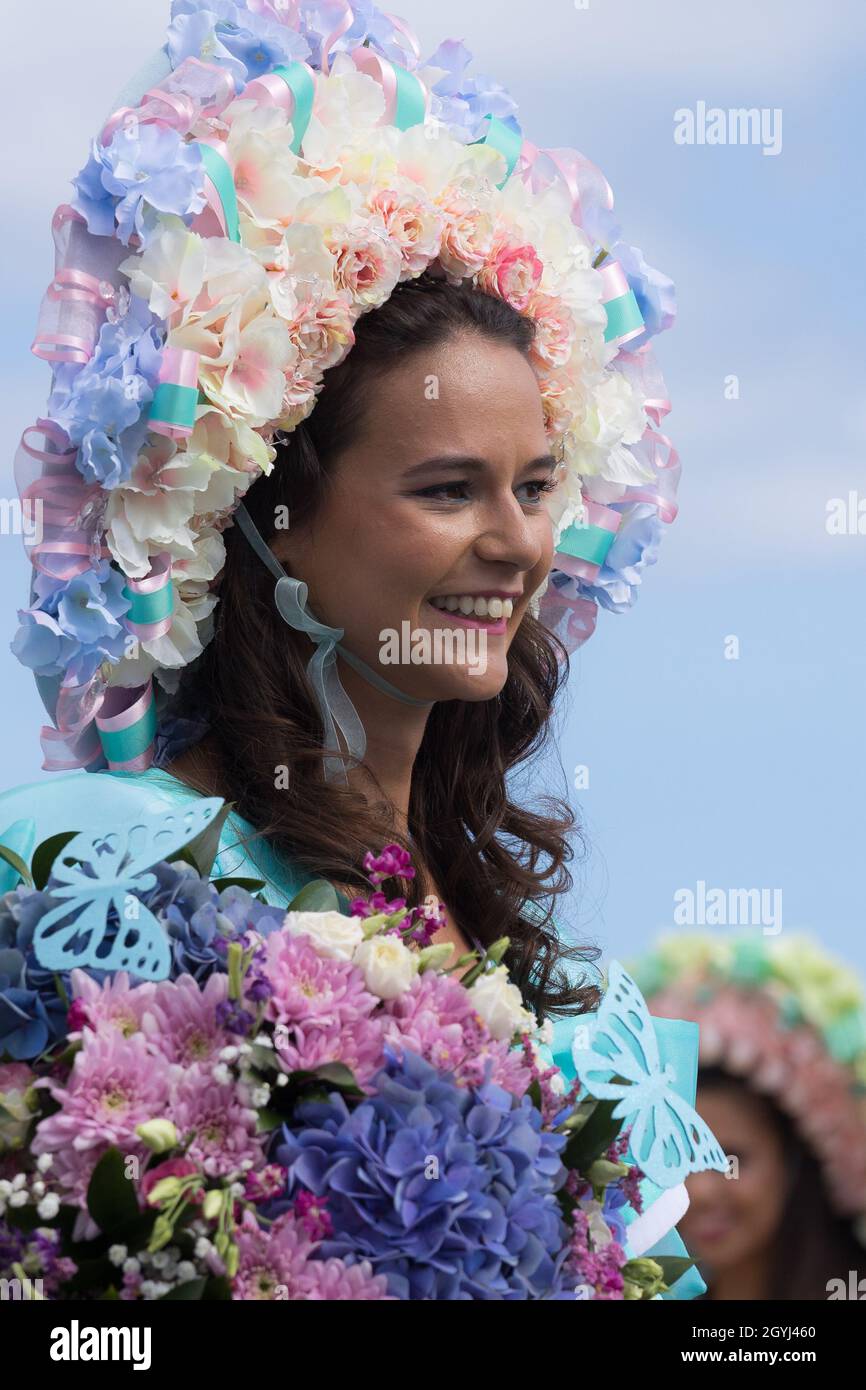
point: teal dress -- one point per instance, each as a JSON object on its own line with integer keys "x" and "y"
{"x": 82, "y": 801}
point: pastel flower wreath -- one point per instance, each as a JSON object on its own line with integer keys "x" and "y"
{"x": 287, "y": 167}
{"x": 791, "y": 1021}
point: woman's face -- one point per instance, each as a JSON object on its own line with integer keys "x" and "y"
{"x": 732, "y": 1220}
{"x": 438, "y": 498}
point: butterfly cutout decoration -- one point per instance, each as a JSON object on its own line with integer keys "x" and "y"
{"x": 668, "y": 1137}
{"x": 101, "y": 870}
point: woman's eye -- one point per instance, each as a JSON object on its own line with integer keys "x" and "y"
{"x": 542, "y": 486}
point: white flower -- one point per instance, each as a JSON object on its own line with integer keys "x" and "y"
{"x": 387, "y": 965}
{"x": 117, "y": 1254}
{"x": 44, "y": 1162}
{"x": 186, "y": 1270}
{"x": 49, "y": 1206}
{"x": 499, "y": 1004}
{"x": 334, "y": 936}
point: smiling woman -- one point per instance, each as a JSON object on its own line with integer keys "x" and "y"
{"x": 439, "y": 383}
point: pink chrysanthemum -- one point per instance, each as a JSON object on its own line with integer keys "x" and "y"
{"x": 114, "y": 1002}
{"x": 357, "y": 1044}
{"x": 181, "y": 1021}
{"x": 435, "y": 1017}
{"x": 309, "y": 989}
{"x": 279, "y": 1264}
{"x": 221, "y": 1119}
{"x": 115, "y": 1084}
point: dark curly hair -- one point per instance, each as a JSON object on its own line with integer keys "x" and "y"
{"x": 498, "y": 865}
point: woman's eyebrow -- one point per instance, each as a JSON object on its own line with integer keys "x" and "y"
{"x": 471, "y": 464}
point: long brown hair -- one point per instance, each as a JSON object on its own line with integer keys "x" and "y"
{"x": 498, "y": 865}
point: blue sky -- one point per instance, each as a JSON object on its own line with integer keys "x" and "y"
{"x": 740, "y": 774}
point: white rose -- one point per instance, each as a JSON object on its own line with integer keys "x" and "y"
{"x": 500, "y": 1005}
{"x": 387, "y": 965}
{"x": 333, "y": 935}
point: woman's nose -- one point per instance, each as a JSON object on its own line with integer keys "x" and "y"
{"x": 510, "y": 536}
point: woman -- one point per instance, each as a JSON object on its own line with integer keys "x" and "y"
{"x": 771, "y": 1231}
{"x": 781, "y": 1085}
{"x": 397, "y": 498}
{"x": 303, "y": 269}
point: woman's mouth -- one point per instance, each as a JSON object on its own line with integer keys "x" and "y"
{"x": 466, "y": 611}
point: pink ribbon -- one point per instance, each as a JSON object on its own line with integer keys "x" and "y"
{"x": 75, "y": 742}
{"x": 583, "y": 180}
{"x": 344, "y": 24}
{"x": 69, "y": 507}
{"x": 192, "y": 91}
{"x": 74, "y": 306}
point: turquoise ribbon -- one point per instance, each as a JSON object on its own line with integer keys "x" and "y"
{"x": 623, "y": 316}
{"x": 302, "y": 84}
{"x": 334, "y": 704}
{"x": 149, "y": 608}
{"x": 122, "y": 745}
{"x": 174, "y": 405}
{"x": 411, "y": 105}
{"x": 506, "y": 140}
{"x": 221, "y": 177}
{"x": 590, "y": 543}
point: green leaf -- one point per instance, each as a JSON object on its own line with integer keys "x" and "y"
{"x": 252, "y": 885}
{"x": 17, "y": 863}
{"x": 111, "y": 1198}
{"x": 592, "y": 1139}
{"x": 339, "y": 1075}
{"x": 45, "y": 854}
{"x": 203, "y": 850}
{"x": 317, "y": 896}
{"x": 192, "y": 1289}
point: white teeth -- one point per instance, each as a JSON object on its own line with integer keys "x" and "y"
{"x": 494, "y": 608}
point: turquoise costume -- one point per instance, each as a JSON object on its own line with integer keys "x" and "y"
{"x": 80, "y": 801}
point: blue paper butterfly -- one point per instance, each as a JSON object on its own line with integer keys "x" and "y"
{"x": 668, "y": 1137}
{"x": 120, "y": 861}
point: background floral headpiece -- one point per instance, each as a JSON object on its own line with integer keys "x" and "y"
{"x": 790, "y": 1021}
{"x": 274, "y": 174}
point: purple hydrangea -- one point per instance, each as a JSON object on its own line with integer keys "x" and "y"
{"x": 448, "y": 1190}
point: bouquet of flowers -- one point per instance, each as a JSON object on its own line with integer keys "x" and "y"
{"x": 203, "y": 1096}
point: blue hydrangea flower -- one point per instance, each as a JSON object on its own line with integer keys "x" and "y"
{"x": 635, "y": 548}
{"x": 463, "y": 101}
{"x": 103, "y": 405}
{"x": 450, "y": 1191}
{"x": 230, "y": 36}
{"x": 144, "y": 167}
{"x": 654, "y": 292}
{"x": 80, "y": 617}
{"x": 28, "y": 1021}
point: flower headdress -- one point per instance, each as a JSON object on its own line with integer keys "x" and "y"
{"x": 788, "y": 1019}
{"x": 274, "y": 173}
